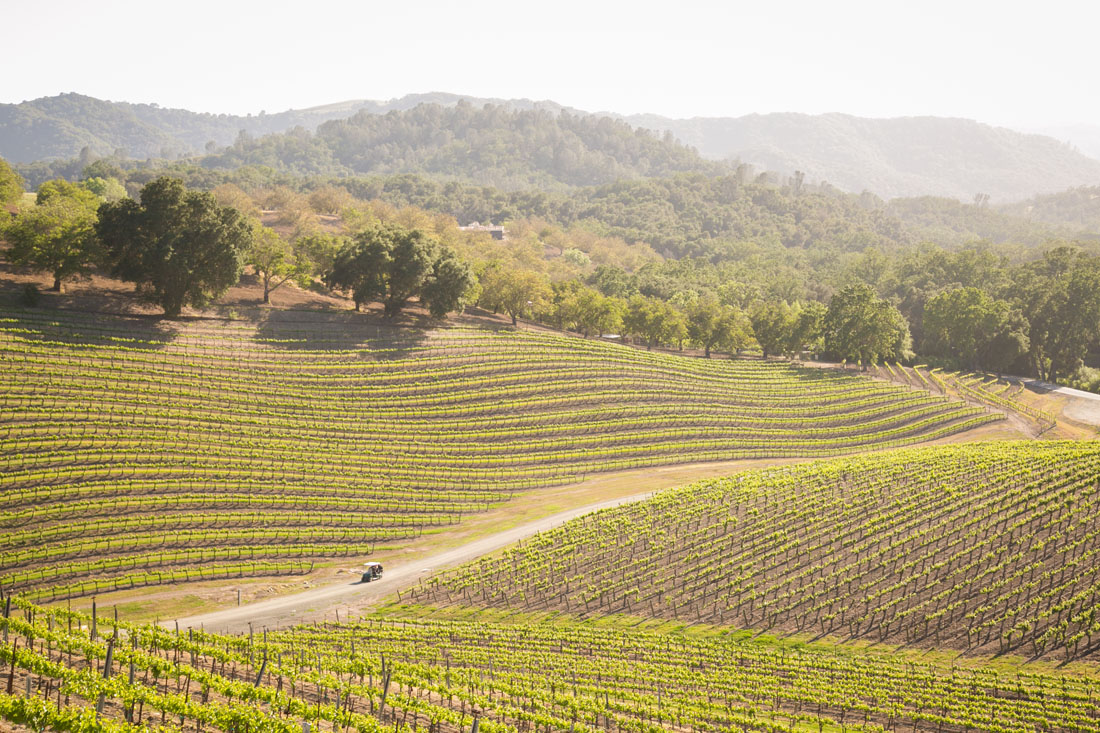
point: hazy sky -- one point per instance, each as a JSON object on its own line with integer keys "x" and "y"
{"x": 1019, "y": 63}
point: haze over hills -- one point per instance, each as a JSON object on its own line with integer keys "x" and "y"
{"x": 1084, "y": 137}
{"x": 909, "y": 156}
{"x": 59, "y": 126}
{"x": 903, "y": 156}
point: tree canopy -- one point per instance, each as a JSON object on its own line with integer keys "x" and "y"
{"x": 516, "y": 292}
{"x": 57, "y": 234}
{"x": 180, "y": 247}
{"x": 392, "y": 264}
{"x": 861, "y": 326}
{"x": 1060, "y": 297}
{"x": 448, "y": 285}
{"x": 274, "y": 259}
{"x": 11, "y": 184}
{"x": 974, "y": 329}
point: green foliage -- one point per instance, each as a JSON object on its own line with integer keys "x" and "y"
{"x": 900, "y": 156}
{"x": 274, "y": 259}
{"x": 654, "y": 321}
{"x": 928, "y": 270}
{"x": 11, "y": 184}
{"x": 773, "y": 325}
{"x": 861, "y": 326}
{"x": 713, "y": 325}
{"x": 385, "y": 262}
{"x": 1060, "y": 298}
{"x": 321, "y": 250}
{"x": 975, "y": 330}
{"x": 950, "y": 222}
{"x": 107, "y": 189}
{"x": 57, "y": 234}
{"x": 928, "y": 547}
{"x": 245, "y": 443}
{"x": 180, "y": 247}
{"x": 516, "y": 292}
{"x": 448, "y": 286}
{"x": 700, "y": 216}
{"x": 612, "y": 281}
{"x": 1086, "y": 378}
{"x": 643, "y": 675}
{"x": 809, "y": 324}
{"x": 491, "y": 145}
{"x": 1076, "y": 209}
{"x": 575, "y": 306}
{"x": 598, "y": 313}
{"x": 577, "y": 258}
{"x": 563, "y": 308}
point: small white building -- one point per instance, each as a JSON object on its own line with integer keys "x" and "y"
{"x": 494, "y": 232}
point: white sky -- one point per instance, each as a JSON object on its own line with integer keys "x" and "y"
{"x": 1015, "y": 63}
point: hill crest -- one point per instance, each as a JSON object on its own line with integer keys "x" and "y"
{"x": 893, "y": 157}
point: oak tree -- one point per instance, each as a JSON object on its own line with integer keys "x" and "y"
{"x": 180, "y": 247}
{"x": 57, "y": 234}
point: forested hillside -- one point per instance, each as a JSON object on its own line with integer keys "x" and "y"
{"x": 512, "y": 145}
{"x": 722, "y": 218}
{"x": 491, "y": 145}
{"x": 60, "y": 126}
{"x": 792, "y": 241}
{"x": 526, "y": 143}
{"x": 948, "y": 221}
{"x": 904, "y": 156}
{"x": 1077, "y": 208}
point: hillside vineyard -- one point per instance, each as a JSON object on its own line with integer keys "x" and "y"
{"x": 135, "y": 453}
{"x": 985, "y": 547}
{"x": 412, "y": 674}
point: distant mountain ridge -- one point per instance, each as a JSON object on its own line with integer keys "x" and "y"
{"x": 60, "y": 126}
{"x": 897, "y": 157}
{"x": 502, "y": 146}
{"x": 1084, "y": 137}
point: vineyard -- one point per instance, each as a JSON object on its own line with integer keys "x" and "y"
{"x": 136, "y": 453}
{"x": 984, "y": 547}
{"x": 71, "y": 671}
{"x": 1001, "y": 394}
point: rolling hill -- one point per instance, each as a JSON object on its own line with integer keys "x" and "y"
{"x": 492, "y": 145}
{"x": 138, "y": 454}
{"x": 1077, "y": 208}
{"x": 898, "y": 157}
{"x": 981, "y": 547}
{"x": 59, "y": 127}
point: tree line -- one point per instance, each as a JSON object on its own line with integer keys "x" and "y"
{"x": 970, "y": 308}
{"x": 182, "y": 248}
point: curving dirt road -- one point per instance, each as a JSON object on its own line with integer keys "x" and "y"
{"x": 319, "y": 602}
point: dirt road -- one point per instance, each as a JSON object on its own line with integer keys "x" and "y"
{"x": 319, "y": 602}
{"x": 1081, "y": 406}
{"x": 324, "y": 601}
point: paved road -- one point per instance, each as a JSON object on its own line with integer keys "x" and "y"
{"x": 318, "y": 602}
{"x": 1082, "y": 406}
